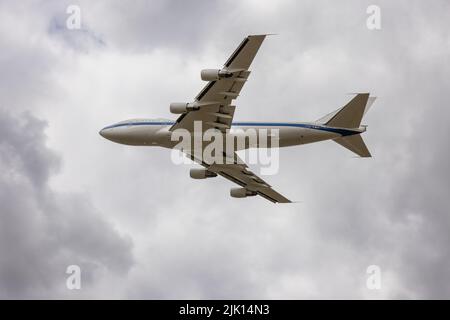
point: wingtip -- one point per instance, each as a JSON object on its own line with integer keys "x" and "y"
{"x": 290, "y": 201}
{"x": 353, "y": 93}
{"x": 362, "y": 157}
{"x": 262, "y": 35}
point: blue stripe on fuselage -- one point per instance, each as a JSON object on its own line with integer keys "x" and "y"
{"x": 344, "y": 132}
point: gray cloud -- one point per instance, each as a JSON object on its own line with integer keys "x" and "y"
{"x": 43, "y": 232}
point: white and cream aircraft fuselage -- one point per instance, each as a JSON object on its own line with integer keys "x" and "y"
{"x": 156, "y": 132}
{"x": 212, "y": 110}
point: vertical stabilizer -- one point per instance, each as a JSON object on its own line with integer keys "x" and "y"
{"x": 351, "y": 114}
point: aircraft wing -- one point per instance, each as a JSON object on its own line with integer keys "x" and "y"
{"x": 213, "y": 103}
{"x": 237, "y": 171}
{"x": 212, "y": 107}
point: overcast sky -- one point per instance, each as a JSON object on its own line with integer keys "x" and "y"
{"x": 139, "y": 227}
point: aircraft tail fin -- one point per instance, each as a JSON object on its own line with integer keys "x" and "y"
{"x": 354, "y": 143}
{"x": 350, "y": 115}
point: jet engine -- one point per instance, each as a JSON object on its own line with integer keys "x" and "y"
{"x": 201, "y": 174}
{"x": 241, "y": 193}
{"x": 214, "y": 74}
{"x": 182, "y": 107}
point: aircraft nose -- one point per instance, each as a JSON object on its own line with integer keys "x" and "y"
{"x": 106, "y": 133}
{"x": 113, "y": 134}
{"x": 102, "y": 133}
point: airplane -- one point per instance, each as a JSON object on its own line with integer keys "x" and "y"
{"x": 213, "y": 108}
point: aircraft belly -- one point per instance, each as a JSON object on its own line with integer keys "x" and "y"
{"x": 142, "y": 136}
{"x": 255, "y": 137}
{"x": 296, "y": 136}
{"x": 268, "y": 137}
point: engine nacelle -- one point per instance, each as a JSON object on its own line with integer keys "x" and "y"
{"x": 214, "y": 74}
{"x": 201, "y": 174}
{"x": 182, "y": 107}
{"x": 241, "y": 193}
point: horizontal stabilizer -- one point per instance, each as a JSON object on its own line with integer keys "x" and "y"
{"x": 354, "y": 143}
